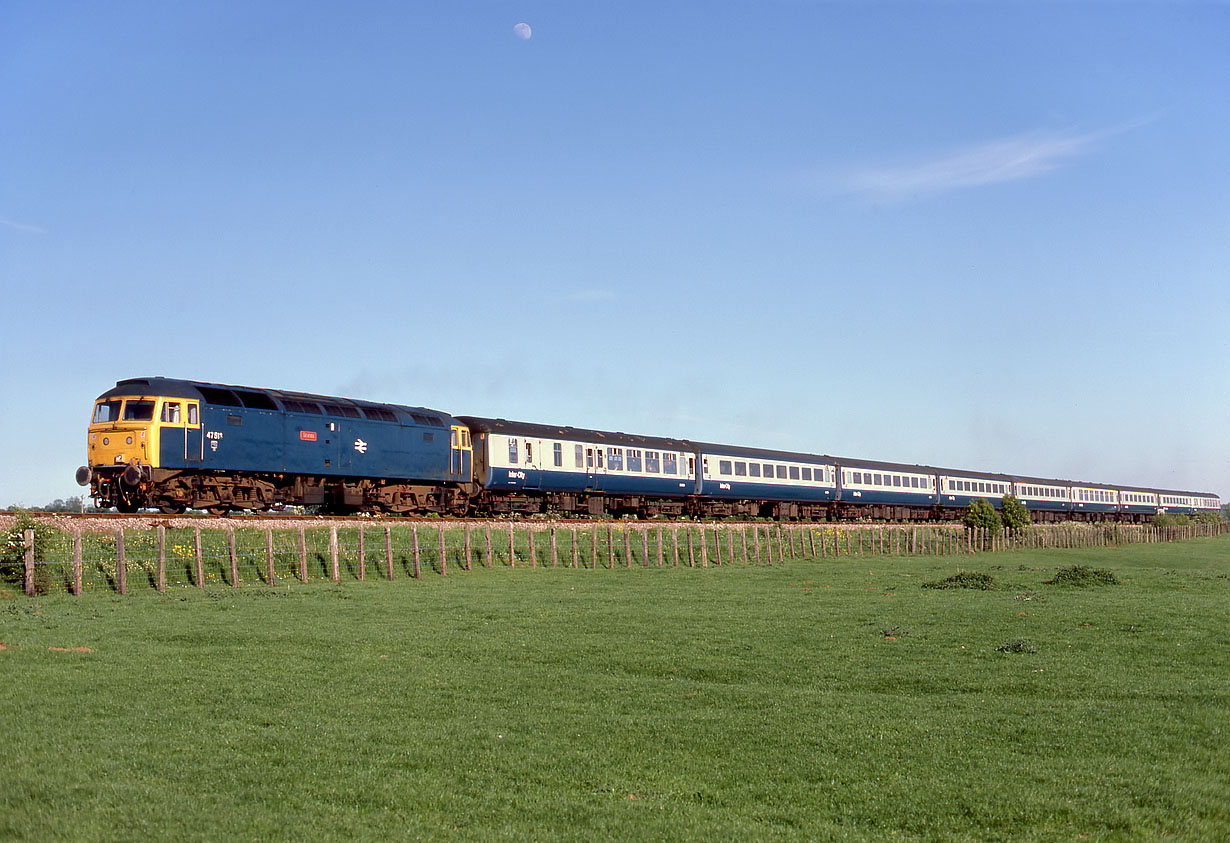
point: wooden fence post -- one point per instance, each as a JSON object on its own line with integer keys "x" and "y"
{"x": 333, "y": 566}
{"x": 512, "y": 547}
{"x": 77, "y": 561}
{"x": 554, "y": 549}
{"x": 487, "y": 546}
{"x": 303, "y": 575}
{"x": 756, "y": 541}
{"x": 593, "y": 547}
{"x": 443, "y": 559}
{"x": 162, "y": 560}
{"x": 659, "y": 547}
{"x": 468, "y": 552}
{"x": 610, "y": 547}
{"x": 121, "y": 568}
{"x": 529, "y": 536}
{"x": 28, "y": 580}
{"x": 200, "y": 562}
{"x": 704, "y": 546}
{"x": 414, "y": 536}
{"x": 575, "y": 552}
{"x": 230, "y": 540}
{"x": 388, "y": 552}
{"x": 675, "y": 543}
{"x": 269, "y": 574}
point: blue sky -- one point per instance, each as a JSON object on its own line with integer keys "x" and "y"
{"x": 970, "y": 234}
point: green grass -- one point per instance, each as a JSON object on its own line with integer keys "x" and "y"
{"x": 825, "y": 699}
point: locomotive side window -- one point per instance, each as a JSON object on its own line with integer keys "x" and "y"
{"x": 192, "y": 414}
{"x": 138, "y": 410}
{"x": 106, "y": 411}
{"x": 171, "y": 412}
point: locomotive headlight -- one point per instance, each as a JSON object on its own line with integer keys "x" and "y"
{"x": 129, "y": 440}
{"x": 106, "y": 440}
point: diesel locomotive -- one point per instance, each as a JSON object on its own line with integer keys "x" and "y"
{"x": 176, "y": 444}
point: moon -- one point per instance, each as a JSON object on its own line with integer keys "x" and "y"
{"x": 523, "y": 31}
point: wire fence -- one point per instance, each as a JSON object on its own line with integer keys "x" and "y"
{"x": 162, "y": 558}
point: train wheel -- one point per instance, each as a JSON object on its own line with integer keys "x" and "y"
{"x": 172, "y": 509}
{"x": 217, "y": 511}
{"x": 126, "y": 508}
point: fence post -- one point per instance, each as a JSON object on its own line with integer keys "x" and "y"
{"x": 468, "y": 558}
{"x": 333, "y": 568}
{"x": 554, "y": 549}
{"x": 487, "y": 546}
{"x": 388, "y": 552}
{"x": 269, "y": 555}
{"x": 756, "y": 541}
{"x": 675, "y": 543}
{"x": 443, "y": 560}
{"x": 302, "y": 556}
{"x": 575, "y": 552}
{"x": 704, "y": 546}
{"x": 121, "y": 568}
{"x": 691, "y": 553}
{"x": 659, "y": 547}
{"x": 200, "y": 562}
{"x": 414, "y": 535}
{"x": 529, "y": 537}
{"x": 77, "y": 561}
{"x": 28, "y": 581}
{"x": 610, "y": 547}
{"x": 230, "y": 541}
{"x": 162, "y": 560}
{"x": 512, "y": 547}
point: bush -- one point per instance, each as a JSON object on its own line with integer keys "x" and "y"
{"x": 13, "y": 553}
{"x": 982, "y": 515}
{"x": 965, "y": 579}
{"x": 1015, "y": 514}
{"x": 1082, "y": 576}
{"x": 1017, "y": 645}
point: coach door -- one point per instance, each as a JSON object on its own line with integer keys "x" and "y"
{"x": 594, "y": 469}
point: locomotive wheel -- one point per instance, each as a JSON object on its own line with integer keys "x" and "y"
{"x": 126, "y": 508}
{"x": 172, "y": 509}
{"x": 217, "y": 511}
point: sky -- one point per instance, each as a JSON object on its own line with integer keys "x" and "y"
{"x": 985, "y": 235}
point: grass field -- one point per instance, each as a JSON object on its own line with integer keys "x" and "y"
{"x": 826, "y": 699}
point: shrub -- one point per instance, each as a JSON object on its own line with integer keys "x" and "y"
{"x": 964, "y": 579}
{"x": 1017, "y": 645}
{"x": 1015, "y": 514}
{"x": 1082, "y": 576}
{"x": 13, "y": 552}
{"x": 981, "y": 514}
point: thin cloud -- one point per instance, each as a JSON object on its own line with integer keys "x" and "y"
{"x": 21, "y": 226}
{"x": 1009, "y": 159}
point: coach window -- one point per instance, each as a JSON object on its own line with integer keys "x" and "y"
{"x": 724, "y": 467}
{"x": 794, "y": 472}
{"x": 876, "y": 478}
{"x": 558, "y": 449}
{"x": 740, "y": 469}
{"x": 512, "y": 451}
{"x": 634, "y": 460}
{"x": 579, "y": 456}
{"x": 529, "y": 452}
{"x": 807, "y": 473}
{"x": 653, "y": 462}
{"x": 753, "y": 469}
{"x": 896, "y": 479}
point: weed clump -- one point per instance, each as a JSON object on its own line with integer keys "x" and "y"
{"x": 1017, "y": 645}
{"x": 964, "y": 579}
{"x": 1082, "y": 576}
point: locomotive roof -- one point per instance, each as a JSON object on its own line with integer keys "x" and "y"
{"x": 211, "y": 392}
{"x": 580, "y": 434}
